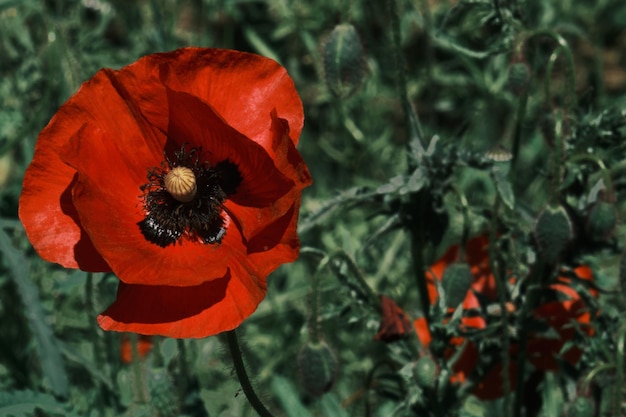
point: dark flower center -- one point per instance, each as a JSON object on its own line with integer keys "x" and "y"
{"x": 184, "y": 198}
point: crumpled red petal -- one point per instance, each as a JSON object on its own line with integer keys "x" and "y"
{"x": 186, "y": 312}
{"x": 394, "y": 323}
{"x": 242, "y": 88}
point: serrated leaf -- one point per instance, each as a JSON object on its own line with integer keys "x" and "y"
{"x": 49, "y": 355}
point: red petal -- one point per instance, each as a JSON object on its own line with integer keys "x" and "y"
{"x": 196, "y": 123}
{"x": 243, "y": 88}
{"x": 46, "y": 210}
{"x": 198, "y": 311}
{"x": 394, "y": 323}
{"x": 423, "y": 332}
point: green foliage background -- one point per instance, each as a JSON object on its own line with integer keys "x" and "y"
{"x": 54, "y": 360}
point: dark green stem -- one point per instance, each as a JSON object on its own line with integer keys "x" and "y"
{"x": 242, "y": 375}
{"x": 183, "y": 380}
{"x": 140, "y": 386}
{"x": 559, "y": 146}
{"x": 517, "y": 138}
{"x": 524, "y": 322}
{"x": 370, "y": 295}
{"x": 501, "y": 289}
{"x": 412, "y": 123}
{"x": 619, "y": 365}
{"x": 314, "y": 319}
{"x": 415, "y": 212}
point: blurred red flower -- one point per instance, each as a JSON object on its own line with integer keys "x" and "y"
{"x": 144, "y": 346}
{"x": 562, "y": 316}
{"x": 180, "y": 174}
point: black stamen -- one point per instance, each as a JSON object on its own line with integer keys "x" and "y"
{"x": 201, "y": 219}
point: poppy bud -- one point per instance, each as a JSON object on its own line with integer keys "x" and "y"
{"x": 318, "y": 367}
{"x": 162, "y": 393}
{"x": 602, "y": 220}
{"x": 344, "y": 67}
{"x": 518, "y": 78}
{"x": 581, "y": 407}
{"x": 553, "y": 231}
{"x": 426, "y": 372}
{"x": 180, "y": 182}
{"x": 455, "y": 281}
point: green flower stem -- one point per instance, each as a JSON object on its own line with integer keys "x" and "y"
{"x": 501, "y": 289}
{"x": 415, "y": 156}
{"x": 557, "y": 158}
{"x": 240, "y": 369}
{"x": 524, "y": 320}
{"x": 571, "y": 79}
{"x": 314, "y": 319}
{"x": 412, "y": 123}
{"x": 370, "y": 295}
{"x": 466, "y": 220}
{"x": 564, "y": 48}
{"x": 141, "y": 396}
{"x": 619, "y": 368}
{"x": 183, "y": 377}
{"x": 517, "y": 138}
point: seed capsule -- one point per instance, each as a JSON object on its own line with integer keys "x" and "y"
{"x": 180, "y": 182}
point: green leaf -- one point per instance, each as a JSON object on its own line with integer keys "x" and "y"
{"x": 49, "y": 355}
{"x": 22, "y": 403}
{"x": 331, "y": 407}
{"x": 288, "y": 397}
{"x": 503, "y": 186}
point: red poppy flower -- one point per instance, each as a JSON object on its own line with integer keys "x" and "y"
{"x": 180, "y": 174}
{"x": 561, "y": 316}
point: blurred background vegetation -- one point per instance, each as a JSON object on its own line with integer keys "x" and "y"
{"x": 456, "y": 57}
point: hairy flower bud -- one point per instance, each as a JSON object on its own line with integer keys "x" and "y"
{"x": 318, "y": 367}
{"x": 553, "y": 231}
{"x": 344, "y": 67}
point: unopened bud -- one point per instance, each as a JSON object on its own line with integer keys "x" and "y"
{"x": 343, "y": 56}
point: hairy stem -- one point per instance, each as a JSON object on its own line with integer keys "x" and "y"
{"x": 242, "y": 375}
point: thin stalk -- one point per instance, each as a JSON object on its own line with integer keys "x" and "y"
{"x": 242, "y": 375}
{"x": 501, "y": 289}
{"x": 140, "y": 386}
{"x": 557, "y": 159}
{"x": 619, "y": 365}
{"x": 182, "y": 364}
{"x": 412, "y": 123}
{"x": 314, "y": 320}
{"x": 571, "y": 78}
{"x": 356, "y": 272}
{"x": 517, "y": 138}
{"x": 527, "y": 306}
{"x": 415, "y": 156}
